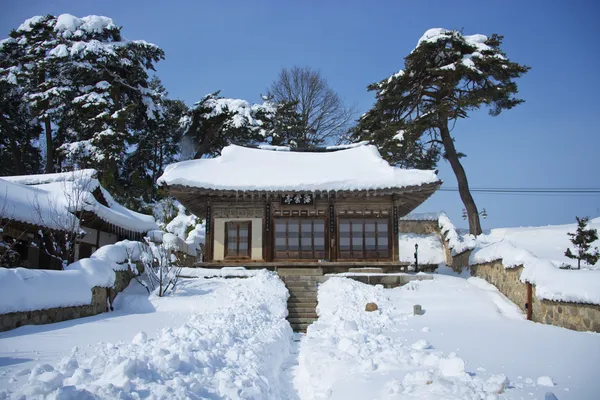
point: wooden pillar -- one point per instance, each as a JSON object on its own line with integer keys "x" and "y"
{"x": 333, "y": 239}
{"x": 394, "y": 244}
{"x": 208, "y": 236}
{"x": 529, "y": 304}
{"x": 268, "y": 234}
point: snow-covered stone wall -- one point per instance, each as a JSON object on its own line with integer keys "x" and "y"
{"x": 576, "y": 316}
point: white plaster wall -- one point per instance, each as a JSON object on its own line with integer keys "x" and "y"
{"x": 256, "y": 238}
{"x": 90, "y": 236}
{"x": 107, "y": 238}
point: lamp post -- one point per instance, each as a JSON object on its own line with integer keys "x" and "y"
{"x": 483, "y": 214}
{"x": 416, "y": 257}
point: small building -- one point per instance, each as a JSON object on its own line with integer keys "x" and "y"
{"x": 65, "y": 202}
{"x": 334, "y": 208}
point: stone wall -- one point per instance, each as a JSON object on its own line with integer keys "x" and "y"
{"x": 48, "y": 316}
{"x": 420, "y": 227}
{"x": 576, "y": 316}
{"x": 458, "y": 261}
{"x": 98, "y": 305}
{"x": 506, "y": 280}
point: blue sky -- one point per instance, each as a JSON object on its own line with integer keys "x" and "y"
{"x": 239, "y": 47}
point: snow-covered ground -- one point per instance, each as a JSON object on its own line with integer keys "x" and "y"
{"x": 547, "y": 242}
{"x": 470, "y": 343}
{"x": 217, "y": 338}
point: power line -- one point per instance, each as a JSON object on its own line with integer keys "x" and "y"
{"x": 549, "y": 192}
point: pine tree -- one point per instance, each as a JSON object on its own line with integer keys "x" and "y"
{"x": 447, "y": 76}
{"x": 156, "y": 145}
{"x": 87, "y": 86}
{"x": 215, "y": 121}
{"x": 582, "y": 239}
{"x": 19, "y": 131}
{"x": 286, "y": 128}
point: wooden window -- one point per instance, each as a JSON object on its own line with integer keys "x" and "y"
{"x": 300, "y": 239}
{"x": 237, "y": 239}
{"x": 365, "y": 239}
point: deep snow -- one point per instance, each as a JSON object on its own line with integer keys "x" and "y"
{"x": 471, "y": 343}
{"x": 218, "y": 338}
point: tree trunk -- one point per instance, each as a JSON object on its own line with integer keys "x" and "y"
{"x": 17, "y": 156}
{"x": 14, "y": 147}
{"x": 461, "y": 177}
{"x": 49, "y": 146}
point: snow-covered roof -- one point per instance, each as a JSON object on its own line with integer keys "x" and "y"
{"x": 73, "y": 192}
{"x": 34, "y": 206}
{"x": 241, "y": 168}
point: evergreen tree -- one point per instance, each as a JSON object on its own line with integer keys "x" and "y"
{"x": 156, "y": 146}
{"x": 447, "y": 76}
{"x": 215, "y": 121}
{"x": 582, "y": 239}
{"x": 286, "y": 128}
{"x": 19, "y": 131}
{"x": 87, "y": 85}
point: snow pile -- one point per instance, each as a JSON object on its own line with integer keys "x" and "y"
{"x": 225, "y": 272}
{"x": 349, "y": 352}
{"x": 547, "y": 242}
{"x": 24, "y": 289}
{"x": 241, "y": 168}
{"x": 60, "y": 193}
{"x": 551, "y": 283}
{"x": 430, "y": 250}
{"x": 456, "y": 243}
{"x": 34, "y": 289}
{"x": 233, "y": 350}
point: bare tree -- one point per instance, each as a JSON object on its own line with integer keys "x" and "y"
{"x": 161, "y": 267}
{"x": 63, "y": 213}
{"x": 322, "y": 115}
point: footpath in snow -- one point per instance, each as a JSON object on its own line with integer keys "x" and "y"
{"x": 213, "y": 338}
{"x": 470, "y": 343}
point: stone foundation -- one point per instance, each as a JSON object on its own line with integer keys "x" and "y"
{"x": 575, "y": 316}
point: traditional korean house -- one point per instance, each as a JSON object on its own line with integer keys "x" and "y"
{"x": 50, "y": 201}
{"x": 334, "y": 208}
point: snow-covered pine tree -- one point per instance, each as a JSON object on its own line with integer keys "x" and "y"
{"x": 156, "y": 145}
{"x": 447, "y": 76}
{"x": 582, "y": 239}
{"x": 215, "y": 121}
{"x": 25, "y": 64}
{"x": 113, "y": 95}
{"x": 287, "y": 128}
{"x": 88, "y": 85}
{"x": 19, "y": 132}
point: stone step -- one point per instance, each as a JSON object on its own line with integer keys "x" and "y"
{"x": 301, "y": 310}
{"x": 300, "y": 327}
{"x": 300, "y": 271}
{"x": 297, "y": 320}
{"x": 302, "y": 299}
{"x": 299, "y": 284}
{"x": 303, "y": 293}
{"x": 293, "y": 315}
{"x": 298, "y": 278}
{"x": 305, "y": 304}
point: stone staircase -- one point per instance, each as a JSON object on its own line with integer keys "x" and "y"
{"x": 302, "y": 304}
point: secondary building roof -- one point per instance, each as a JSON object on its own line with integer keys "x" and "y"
{"x": 270, "y": 169}
{"x": 66, "y": 193}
